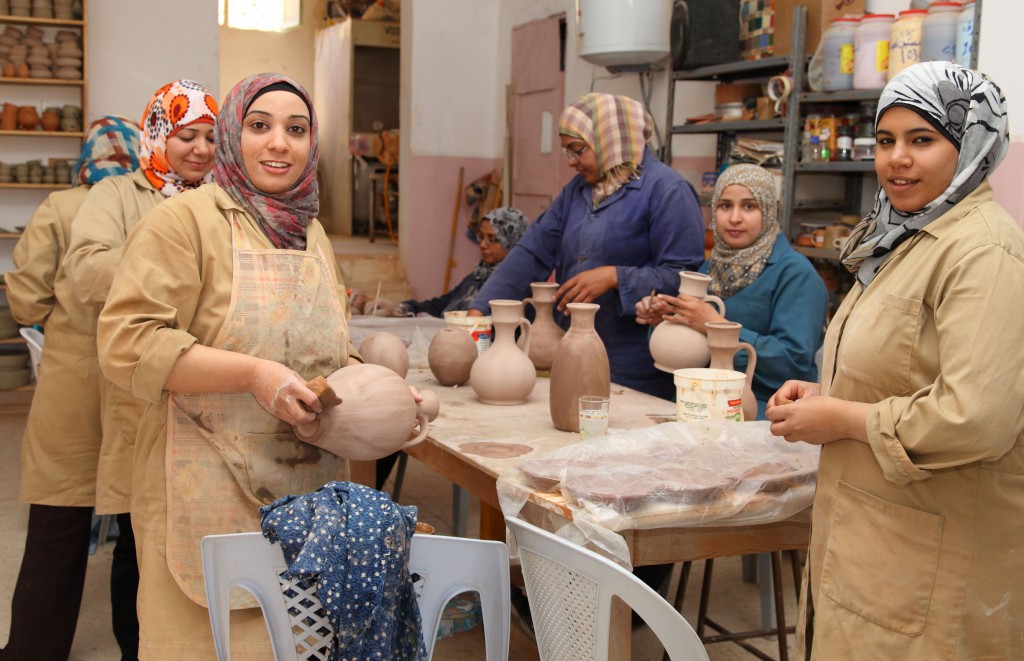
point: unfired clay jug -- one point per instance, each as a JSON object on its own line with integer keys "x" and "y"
{"x": 580, "y": 367}
{"x": 386, "y": 349}
{"x": 451, "y": 356}
{"x": 375, "y": 417}
{"x": 545, "y": 334}
{"x": 723, "y": 343}
{"x": 504, "y": 375}
{"x": 675, "y": 345}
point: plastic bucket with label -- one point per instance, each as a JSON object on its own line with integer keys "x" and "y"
{"x": 479, "y": 328}
{"x": 703, "y": 393}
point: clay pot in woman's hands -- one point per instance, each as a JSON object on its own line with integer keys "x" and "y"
{"x": 375, "y": 417}
{"x": 675, "y": 345}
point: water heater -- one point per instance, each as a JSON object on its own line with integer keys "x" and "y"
{"x": 623, "y": 33}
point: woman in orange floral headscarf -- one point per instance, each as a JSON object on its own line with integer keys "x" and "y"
{"x": 176, "y": 154}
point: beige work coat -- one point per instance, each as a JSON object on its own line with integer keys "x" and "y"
{"x": 61, "y": 445}
{"x": 917, "y": 545}
{"x": 149, "y": 320}
{"x": 101, "y": 227}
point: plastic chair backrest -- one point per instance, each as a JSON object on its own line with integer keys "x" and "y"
{"x": 446, "y": 567}
{"x": 34, "y": 340}
{"x": 570, "y": 590}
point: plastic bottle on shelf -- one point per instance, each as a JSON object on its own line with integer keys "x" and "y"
{"x": 965, "y": 34}
{"x": 844, "y": 143}
{"x": 938, "y": 31}
{"x": 825, "y": 154}
{"x": 905, "y": 40}
{"x": 871, "y": 51}
{"x": 837, "y": 48}
{"x": 815, "y": 149}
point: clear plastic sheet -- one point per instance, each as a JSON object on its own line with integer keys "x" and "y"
{"x": 708, "y": 473}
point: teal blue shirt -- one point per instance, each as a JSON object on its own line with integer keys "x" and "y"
{"x": 783, "y": 315}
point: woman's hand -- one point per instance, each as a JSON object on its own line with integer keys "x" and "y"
{"x": 689, "y": 310}
{"x": 652, "y": 310}
{"x": 282, "y": 392}
{"x": 813, "y": 418}
{"x": 586, "y": 286}
{"x": 793, "y": 390}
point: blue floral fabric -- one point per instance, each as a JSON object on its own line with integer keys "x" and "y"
{"x": 352, "y": 542}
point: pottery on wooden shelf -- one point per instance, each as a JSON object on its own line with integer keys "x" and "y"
{"x": 51, "y": 121}
{"x": 9, "y": 117}
{"x": 675, "y": 345}
{"x": 723, "y": 343}
{"x": 504, "y": 375}
{"x": 386, "y": 349}
{"x": 451, "y": 355}
{"x": 580, "y": 367}
{"x": 545, "y": 334}
{"x": 375, "y": 417}
{"x": 28, "y": 117}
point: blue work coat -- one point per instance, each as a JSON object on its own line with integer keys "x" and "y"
{"x": 649, "y": 230}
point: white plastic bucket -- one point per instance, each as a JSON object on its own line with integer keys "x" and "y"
{"x": 703, "y": 393}
{"x": 479, "y": 328}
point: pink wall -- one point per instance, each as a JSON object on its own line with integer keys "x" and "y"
{"x": 1007, "y": 180}
{"x": 431, "y": 199}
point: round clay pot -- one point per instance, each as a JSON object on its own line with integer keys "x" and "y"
{"x": 386, "y": 349}
{"x": 51, "y": 121}
{"x": 9, "y": 69}
{"x": 375, "y": 417}
{"x": 451, "y": 356}
{"x": 28, "y": 117}
{"x": 21, "y": 70}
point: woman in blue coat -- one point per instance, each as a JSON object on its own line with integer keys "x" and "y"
{"x": 624, "y": 225}
{"x": 766, "y": 285}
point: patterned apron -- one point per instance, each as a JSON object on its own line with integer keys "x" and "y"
{"x": 226, "y": 456}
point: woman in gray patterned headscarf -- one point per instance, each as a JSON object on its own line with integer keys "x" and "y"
{"x": 768, "y": 287}
{"x": 498, "y": 232}
{"x": 917, "y": 519}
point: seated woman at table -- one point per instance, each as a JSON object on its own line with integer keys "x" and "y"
{"x": 918, "y": 524}
{"x": 498, "y": 232}
{"x": 625, "y": 224}
{"x": 766, "y": 285}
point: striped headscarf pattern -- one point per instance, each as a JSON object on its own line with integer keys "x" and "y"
{"x": 967, "y": 108}
{"x": 111, "y": 148}
{"x": 617, "y": 129}
{"x": 173, "y": 107}
{"x": 732, "y": 269}
{"x": 282, "y": 216}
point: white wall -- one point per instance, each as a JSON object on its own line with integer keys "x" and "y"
{"x": 999, "y": 56}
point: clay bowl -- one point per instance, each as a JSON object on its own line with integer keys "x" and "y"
{"x": 13, "y": 358}
{"x": 14, "y": 378}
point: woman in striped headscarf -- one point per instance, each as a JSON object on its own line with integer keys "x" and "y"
{"x": 918, "y": 523}
{"x": 61, "y": 446}
{"x": 624, "y": 225}
{"x": 227, "y": 301}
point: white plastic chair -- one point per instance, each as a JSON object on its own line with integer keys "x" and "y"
{"x": 570, "y": 590}
{"x": 446, "y": 567}
{"x": 34, "y": 340}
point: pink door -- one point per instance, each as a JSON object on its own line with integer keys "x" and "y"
{"x": 536, "y": 101}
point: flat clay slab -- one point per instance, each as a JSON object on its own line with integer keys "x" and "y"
{"x": 495, "y": 450}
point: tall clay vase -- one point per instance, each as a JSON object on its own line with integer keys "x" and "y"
{"x": 580, "y": 367}
{"x": 724, "y": 342}
{"x": 545, "y": 334}
{"x": 675, "y": 345}
{"x": 504, "y": 375}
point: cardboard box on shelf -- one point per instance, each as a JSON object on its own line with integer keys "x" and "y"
{"x": 819, "y": 15}
{"x": 733, "y": 92}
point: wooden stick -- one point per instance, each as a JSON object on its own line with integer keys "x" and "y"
{"x": 375, "y": 300}
{"x": 455, "y": 229}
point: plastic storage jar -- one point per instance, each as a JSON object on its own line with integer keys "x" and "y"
{"x": 965, "y": 34}
{"x": 905, "y": 40}
{"x": 837, "y": 49}
{"x": 871, "y": 51}
{"x": 938, "y": 31}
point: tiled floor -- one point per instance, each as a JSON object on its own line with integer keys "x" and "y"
{"x": 734, "y": 604}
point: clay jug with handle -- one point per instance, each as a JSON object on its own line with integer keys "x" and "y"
{"x": 545, "y": 334}
{"x": 375, "y": 418}
{"x": 675, "y": 345}
{"x": 723, "y": 343}
{"x": 504, "y": 375}
{"x": 580, "y": 367}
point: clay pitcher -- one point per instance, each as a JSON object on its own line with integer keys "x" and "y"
{"x": 580, "y": 367}
{"x": 451, "y": 355}
{"x": 386, "y": 349}
{"x": 375, "y": 417}
{"x": 675, "y": 345}
{"x": 546, "y": 334}
{"x": 504, "y": 375}
{"x": 723, "y": 343}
